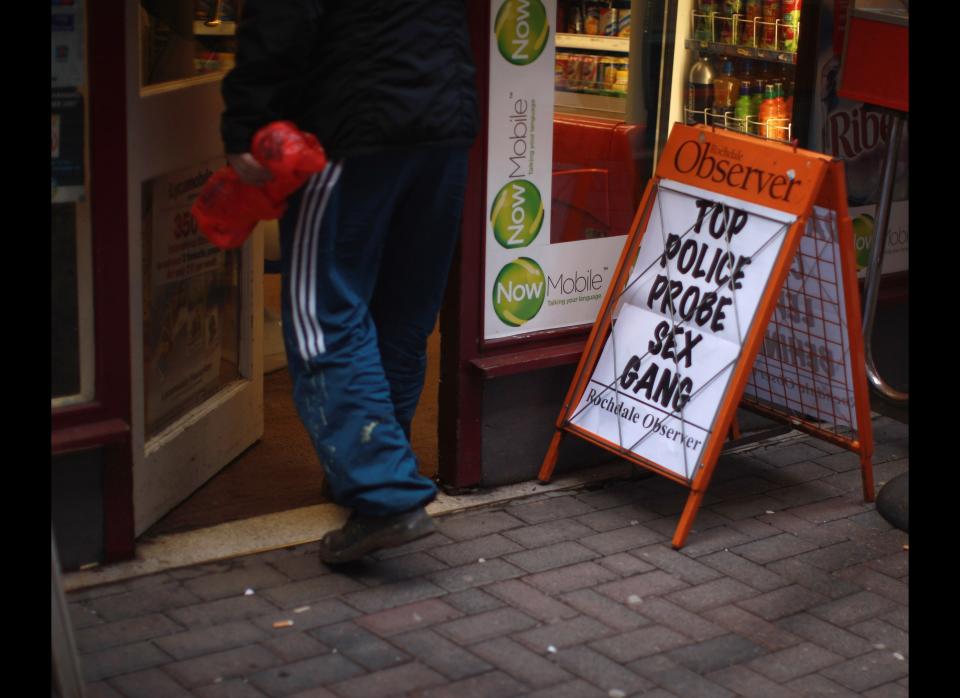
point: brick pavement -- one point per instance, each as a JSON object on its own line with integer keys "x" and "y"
{"x": 789, "y": 585}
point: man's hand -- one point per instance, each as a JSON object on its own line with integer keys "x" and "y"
{"x": 248, "y": 169}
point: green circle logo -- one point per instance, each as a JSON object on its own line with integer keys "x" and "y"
{"x": 522, "y": 29}
{"x": 519, "y": 291}
{"x": 517, "y": 214}
{"x": 863, "y": 238}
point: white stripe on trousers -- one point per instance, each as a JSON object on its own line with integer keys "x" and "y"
{"x": 303, "y": 266}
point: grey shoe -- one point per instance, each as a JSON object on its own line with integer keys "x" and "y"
{"x": 365, "y": 534}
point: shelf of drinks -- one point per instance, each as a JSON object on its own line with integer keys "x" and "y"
{"x": 731, "y": 36}
{"x": 589, "y": 42}
{"x": 741, "y": 51}
{"x": 220, "y": 28}
{"x": 780, "y": 130}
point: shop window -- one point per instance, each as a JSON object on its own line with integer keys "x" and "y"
{"x": 186, "y": 39}
{"x": 71, "y": 274}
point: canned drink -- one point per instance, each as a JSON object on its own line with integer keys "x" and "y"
{"x": 591, "y": 22}
{"x": 572, "y": 67}
{"x": 607, "y": 73}
{"x": 609, "y": 21}
{"x": 623, "y": 22}
{"x": 725, "y": 20}
{"x": 589, "y": 67}
{"x": 791, "y": 25}
{"x": 749, "y": 30}
{"x": 575, "y": 20}
{"x": 561, "y": 71}
{"x": 623, "y": 77}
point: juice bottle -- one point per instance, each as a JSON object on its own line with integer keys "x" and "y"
{"x": 743, "y": 109}
{"x": 780, "y": 114}
{"x": 725, "y": 88}
{"x": 756, "y": 98}
{"x": 704, "y": 26}
{"x": 768, "y": 111}
{"x": 724, "y": 20}
{"x": 770, "y": 11}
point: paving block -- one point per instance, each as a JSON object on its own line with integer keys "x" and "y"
{"x": 517, "y": 594}
{"x": 159, "y": 599}
{"x": 628, "y": 647}
{"x": 548, "y": 533}
{"x": 484, "y": 626}
{"x": 787, "y": 454}
{"x": 749, "y": 684}
{"x": 794, "y": 662}
{"x": 477, "y": 574}
{"x": 817, "y": 685}
{"x": 295, "y": 646}
{"x": 756, "y": 629}
{"x": 716, "y": 653}
{"x": 616, "y": 517}
{"x": 877, "y": 583}
{"x": 123, "y": 632}
{"x": 400, "y": 619}
{"x": 550, "y": 509}
{"x": 307, "y": 591}
{"x": 397, "y": 681}
{"x": 782, "y": 602}
{"x": 644, "y": 585}
{"x": 719, "y": 538}
{"x": 733, "y": 566}
{"x": 427, "y": 543}
{"x": 692, "y": 625}
{"x": 711, "y": 594}
{"x": 392, "y": 595}
{"x": 306, "y": 617}
{"x": 305, "y": 674}
{"x": 359, "y": 646}
{"x": 441, "y": 654}
{"x": 198, "y": 641}
{"x": 472, "y": 601}
{"x": 819, "y": 581}
{"x": 676, "y": 563}
{"x": 124, "y": 659}
{"x": 239, "y": 662}
{"x": 617, "y": 615}
{"x": 469, "y": 551}
{"x": 152, "y": 683}
{"x": 621, "y": 539}
{"x": 571, "y": 689}
{"x": 221, "y": 611}
{"x": 853, "y": 609}
{"x": 477, "y": 524}
{"x": 235, "y": 582}
{"x": 868, "y": 671}
{"x": 565, "y": 633}
{"x": 826, "y": 635}
{"x": 601, "y": 671}
{"x": 677, "y": 679}
{"x": 882, "y": 635}
{"x": 233, "y": 688}
{"x": 393, "y": 569}
{"x": 625, "y": 564}
{"x": 526, "y": 666}
{"x": 493, "y": 684}
{"x": 551, "y": 556}
{"x": 584, "y": 574}
{"x": 774, "y": 548}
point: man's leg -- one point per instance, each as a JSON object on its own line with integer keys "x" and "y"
{"x": 333, "y": 237}
{"x": 419, "y": 248}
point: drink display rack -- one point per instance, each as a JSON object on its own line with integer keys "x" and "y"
{"x": 744, "y": 38}
{"x": 774, "y": 130}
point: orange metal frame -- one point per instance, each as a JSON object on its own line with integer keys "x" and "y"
{"x": 824, "y": 185}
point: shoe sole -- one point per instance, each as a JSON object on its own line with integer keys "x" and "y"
{"x": 387, "y": 538}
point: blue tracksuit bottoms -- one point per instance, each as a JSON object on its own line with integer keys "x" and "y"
{"x": 366, "y": 248}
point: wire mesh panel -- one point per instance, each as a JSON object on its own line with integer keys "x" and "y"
{"x": 803, "y": 370}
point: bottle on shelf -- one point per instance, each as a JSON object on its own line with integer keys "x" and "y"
{"x": 704, "y": 24}
{"x": 725, "y": 90}
{"x": 700, "y": 90}
{"x": 770, "y": 11}
{"x": 743, "y": 110}
{"x": 789, "y": 87}
{"x": 768, "y": 111}
{"x": 756, "y": 99}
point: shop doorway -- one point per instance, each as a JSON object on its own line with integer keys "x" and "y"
{"x": 281, "y": 471}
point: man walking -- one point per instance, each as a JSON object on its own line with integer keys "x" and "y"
{"x": 388, "y": 89}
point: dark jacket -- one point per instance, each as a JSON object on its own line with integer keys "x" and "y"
{"x": 362, "y": 75}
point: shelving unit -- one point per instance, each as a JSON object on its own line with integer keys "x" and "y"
{"x": 587, "y": 42}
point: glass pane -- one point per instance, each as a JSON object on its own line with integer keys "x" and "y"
{"x": 185, "y": 38}
{"x": 64, "y": 316}
{"x": 191, "y": 302}
{"x": 607, "y": 80}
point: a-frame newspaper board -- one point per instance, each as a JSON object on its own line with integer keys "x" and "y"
{"x": 706, "y": 263}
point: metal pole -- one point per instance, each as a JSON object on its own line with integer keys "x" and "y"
{"x": 876, "y": 261}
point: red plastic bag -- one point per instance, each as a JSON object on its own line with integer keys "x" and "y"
{"x": 228, "y": 208}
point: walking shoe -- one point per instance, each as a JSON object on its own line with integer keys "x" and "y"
{"x": 365, "y": 534}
